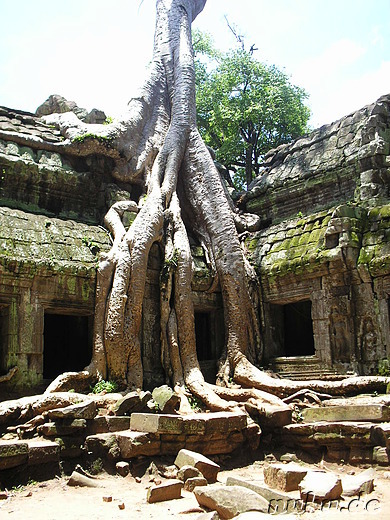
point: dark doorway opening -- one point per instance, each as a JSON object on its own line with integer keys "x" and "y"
{"x": 209, "y": 333}
{"x": 4, "y": 321}
{"x": 298, "y": 329}
{"x": 67, "y": 344}
{"x": 203, "y": 335}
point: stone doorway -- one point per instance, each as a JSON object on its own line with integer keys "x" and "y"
{"x": 298, "y": 329}
{"x": 290, "y": 330}
{"x": 209, "y": 334}
{"x": 67, "y": 343}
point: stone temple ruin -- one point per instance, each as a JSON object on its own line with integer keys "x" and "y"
{"x": 322, "y": 254}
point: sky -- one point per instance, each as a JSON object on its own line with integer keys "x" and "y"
{"x": 95, "y": 52}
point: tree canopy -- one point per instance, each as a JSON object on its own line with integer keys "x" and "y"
{"x": 244, "y": 107}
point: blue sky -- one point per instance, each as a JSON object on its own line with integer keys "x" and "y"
{"x": 95, "y": 52}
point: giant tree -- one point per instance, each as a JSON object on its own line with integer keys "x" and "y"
{"x": 157, "y": 145}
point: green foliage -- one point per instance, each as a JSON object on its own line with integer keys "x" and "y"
{"x": 169, "y": 263}
{"x": 196, "y": 404}
{"x": 384, "y": 367}
{"x": 104, "y": 386}
{"x": 245, "y": 107}
{"x": 96, "y": 466}
{"x": 93, "y": 246}
{"x": 108, "y": 120}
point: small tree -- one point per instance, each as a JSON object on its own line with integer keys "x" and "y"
{"x": 245, "y": 107}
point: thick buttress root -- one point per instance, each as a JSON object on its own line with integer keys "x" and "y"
{"x": 157, "y": 145}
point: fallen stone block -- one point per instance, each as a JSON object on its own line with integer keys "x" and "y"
{"x": 167, "y": 491}
{"x": 134, "y": 444}
{"x": 278, "y": 502}
{"x": 132, "y": 402}
{"x": 122, "y": 468}
{"x": 320, "y": 486}
{"x": 77, "y": 479}
{"x": 285, "y": 477}
{"x": 229, "y": 501}
{"x": 12, "y": 454}
{"x": 380, "y": 455}
{"x": 207, "y": 467}
{"x": 86, "y": 410}
{"x": 167, "y": 400}
{"x": 103, "y": 445}
{"x": 186, "y": 472}
{"x": 192, "y": 482}
{"x": 41, "y": 452}
{"x": 358, "y": 413}
{"x": 356, "y": 485}
{"x": 269, "y": 416}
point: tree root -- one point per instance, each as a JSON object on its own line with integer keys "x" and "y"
{"x": 10, "y": 374}
{"x": 250, "y": 376}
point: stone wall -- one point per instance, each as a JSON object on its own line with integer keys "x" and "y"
{"x": 324, "y": 201}
{"x": 51, "y": 213}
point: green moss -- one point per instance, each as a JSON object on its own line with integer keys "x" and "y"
{"x": 83, "y": 137}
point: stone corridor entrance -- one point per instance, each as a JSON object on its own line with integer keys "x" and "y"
{"x": 67, "y": 343}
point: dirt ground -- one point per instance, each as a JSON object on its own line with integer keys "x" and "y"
{"x": 55, "y": 500}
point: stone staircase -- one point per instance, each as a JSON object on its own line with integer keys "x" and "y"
{"x": 304, "y": 368}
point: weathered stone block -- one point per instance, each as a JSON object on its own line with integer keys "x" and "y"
{"x": 369, "y": 412}
{"x": 156, "y": 423}
{"x": 186, "y": 472}
{"x": 103, "y": 445}
{"x": 132, "y": 402}
{"x": 41, "y": 452}
{"x": 261, "y": 489}
{"x": 13, "y": 453}
{"x": 167, "y": 491}
{"x": 74, "y": 411}
{"x": 319, "y": 486}
{"x": 122, "y": 468}
{"x": 356, "y": 485}
{"x": 380, "y": 455}
{"x": 118, "y": 423}
{"x": 230, "y": 501}
{"x": 285, "y": 477}
{"x": 207, "y": 467}
{"x": 166, "y": 399}
{"x": 133, "y": 444}
{"x": 192, "y": 482}
{"x": 62, "y": 427}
